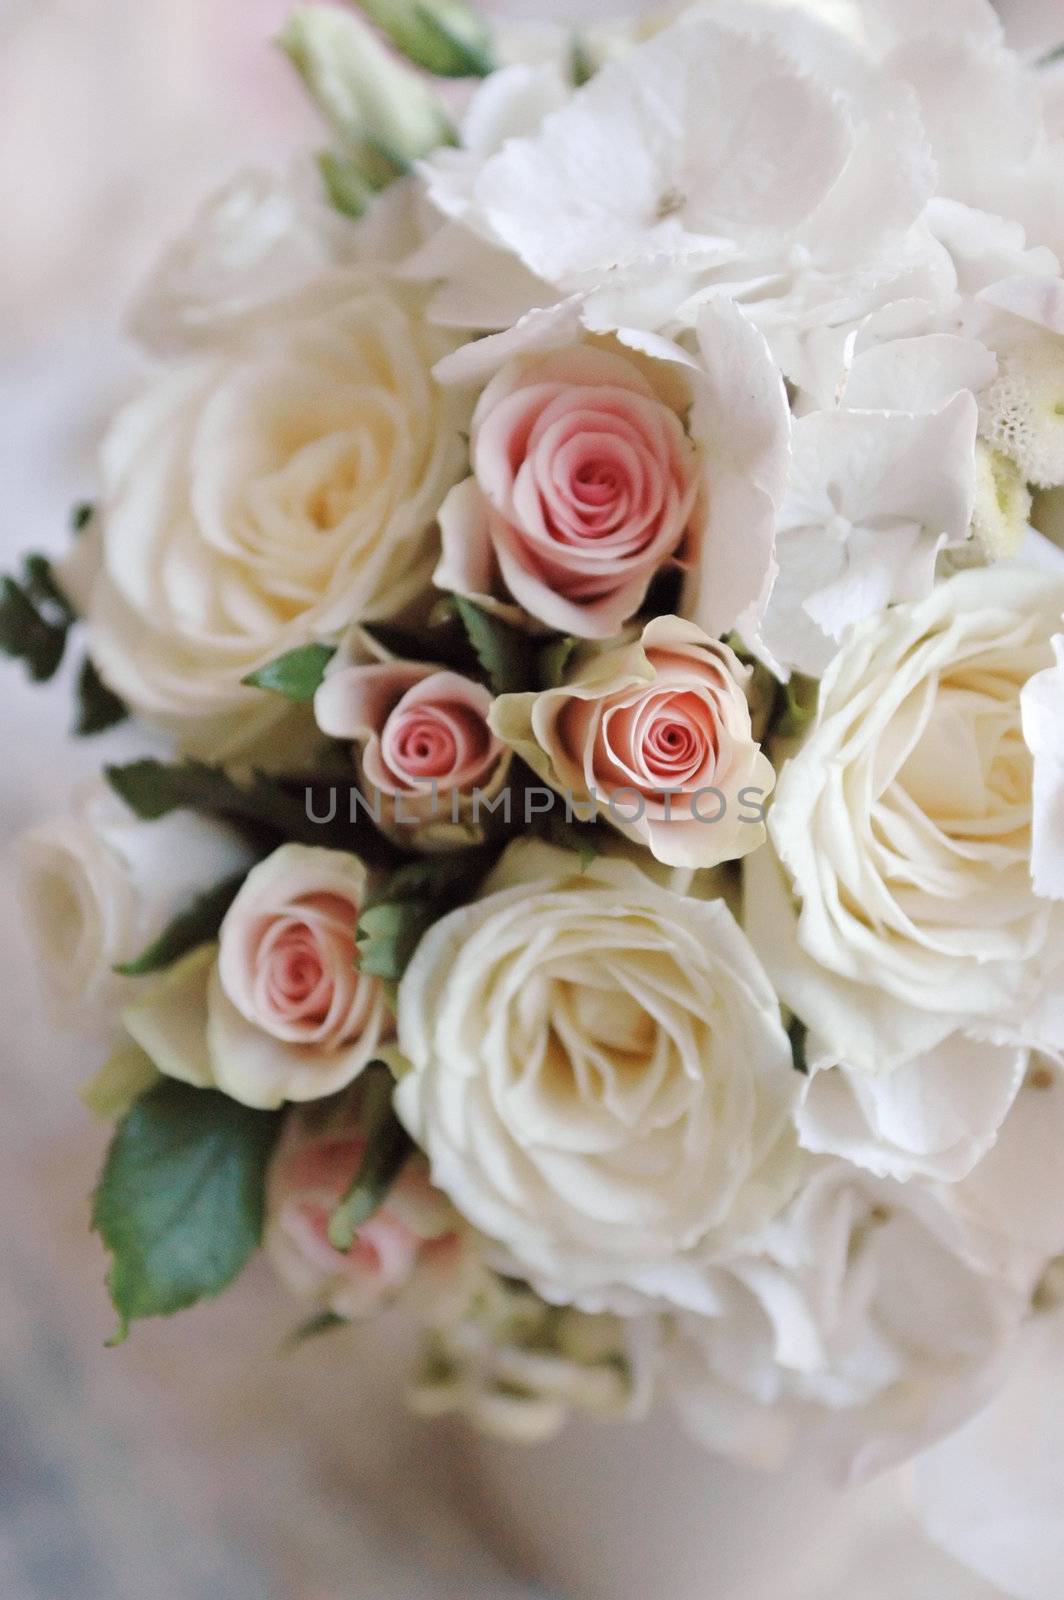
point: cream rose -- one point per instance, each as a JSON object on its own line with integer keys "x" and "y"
{"x": 413, "y": 1247}
{"x": 905, "y": 826}
{"x": 99, "y": 886}
{"x": 600, "y": 1077}
{"x": 424, "y": 747}
{"x": 267, "y": 491}
{"x": 278, "y": 1010}
{"x": 656, "y": 735}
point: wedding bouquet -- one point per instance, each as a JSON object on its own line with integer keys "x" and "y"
{"x": 598, "y": 880}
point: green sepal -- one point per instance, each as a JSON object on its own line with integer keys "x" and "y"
{"x": 388, "y": 1148}
{"x": 99, "y": 708}
{"x": 396, "y": 918}
{"x": 35, "y": 619}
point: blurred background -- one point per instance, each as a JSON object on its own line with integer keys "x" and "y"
{"x": 195, "y": 1463}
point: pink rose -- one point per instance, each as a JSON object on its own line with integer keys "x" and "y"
{"x": 424, "y": 745}
{"x": 277, "y": 1010}
{"x": 584, "y": 485}
{"x": 656, "y": 736}
{"x": 290, "y": 1016}
{"x": 412, "y": 1246}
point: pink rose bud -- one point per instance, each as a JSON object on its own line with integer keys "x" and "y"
{"x": 425, "y": 746}
{"x": 413, "y": 1246}
{"x": 292, "y": 1017}
{"x": 656, "y": 737}
{"x": 585, "y": 484}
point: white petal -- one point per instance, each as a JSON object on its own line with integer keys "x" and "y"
{"x": 741, "y": 419}
{"x": 1042, "y": 703}
{"x": 170, "y": 1022}
{"x": 671, "y": 153}
{"x": 1015, "y": 1192}
{"x": 919, "y": 374}
{"x": 934, "y": 1117}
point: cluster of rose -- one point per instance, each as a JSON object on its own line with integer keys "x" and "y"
{"x": 631, "y": 471}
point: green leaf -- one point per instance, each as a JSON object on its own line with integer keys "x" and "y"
{"x": 554, "y": 659}
{"x": 504, "y": 652}
{"x": 81, "y": 515}
{"x": 297, "y": 674}
{"x": 153, "y": 789}
{"x": 99, "y": 708}
{"x": 181, "y": 1200}
{"x": 35, "y": 618}
{"x": 388, "y": 1148}
{"x": 197, "y": 924}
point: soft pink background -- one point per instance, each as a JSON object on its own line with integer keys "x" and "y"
{"x": 195, "y": 1463}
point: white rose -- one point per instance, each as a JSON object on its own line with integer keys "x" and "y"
{"x": 99, "y": 887}
{"x": 863, "y": 1321}
{"x": 905, "y": 825}
{"x": 277, "y": 1010}
{"x": 250, "y": 248}
{"x": 267, "y": 492}
{"x": 600, "y": 1077}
